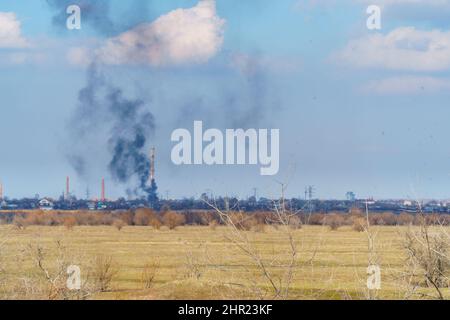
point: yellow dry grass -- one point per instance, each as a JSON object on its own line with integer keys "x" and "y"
{"x": 200, "y": 263}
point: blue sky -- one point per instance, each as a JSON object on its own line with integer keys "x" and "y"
{"x": 358, "y": 109}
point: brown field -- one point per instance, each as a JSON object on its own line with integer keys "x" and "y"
{"x": 201, "y": 262}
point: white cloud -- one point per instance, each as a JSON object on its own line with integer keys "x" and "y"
{"x": 408, "y": 85}
{"x": 402, "y": 49}
{"x": 182, "y": 36}
{"x": 79, "y": 56}
{"x": 10, "y": 31}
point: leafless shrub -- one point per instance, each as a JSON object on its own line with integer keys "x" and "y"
{"x": 278, "y": 273}
{"x": 207, "y": 218}
{"x": 405, "y": 219}
{"x": 213, "y": 224}
{"x": 315, "y": 219}
{"x": 358, "y": 224}
{"x": 103, "y": 272}
{"x": 53, "y": 271}
{"x": 427, "y": 256}
{"x": 20, "y": 223}
{"x": 356, "y": 212}
{"x": 334, "y": 221}
{"x": 259, "y": 227}
{"x": 172, "y": 219}
{"x": 143, "y": 216}
{"x": 127, "y": 217}
{"x": 295, "y": 222}
{"x": 155, "y": 223}
{"x": 70, "y": 223}
{"x": 118, "y": 224}
{"x": 243, "y": 221}
{"x": 149, "y": 273}
{"x": 193, "y": 266}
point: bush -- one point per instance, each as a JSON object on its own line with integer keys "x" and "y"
{"x": 428, "y": 252}
{"x": 259, "y": 227}
{"x": 143, "y": 216}
{"x": 359, "y": 224}
{"x": 155, "y": 223}
{"x": 356, "y": 212}
{"x": 103, "y": 272}
{"x": 315, "y": 219}
{"x": 334, "y": 221}
{"x": 119, "y": 224}
{"x": 70, "y": 223}
{"x": 213, "y": 224}
{"x": 172, "y": 219}
{"x": 405, "y": 219}
{"x": 207, "y": 218}
{"x": 20, "y": 222}
{"x": 388, "y": 219}
{"x": 243, "y": 221}
{"x": 295, "y": 223}
{"x": 149, "y": 273}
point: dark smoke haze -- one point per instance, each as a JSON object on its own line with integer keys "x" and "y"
{"x": 128, "y": 126}
{"x": 253, "y": 95}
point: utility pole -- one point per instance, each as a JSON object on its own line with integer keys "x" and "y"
{"x": 309, "y": 194}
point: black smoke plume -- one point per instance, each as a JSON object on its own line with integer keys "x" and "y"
{"x": 128, "y": 124}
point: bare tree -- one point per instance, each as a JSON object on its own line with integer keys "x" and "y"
{"x": 428, "y": 262}
{"x": 54, "y": 273}
{"x": 277, "y": 272}
{"x": 149, "y": 273}
{"x": 103, "y": 272}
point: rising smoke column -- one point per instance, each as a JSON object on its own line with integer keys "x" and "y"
{"x": 128, "y": 123}
{"x": 128, "y": 138}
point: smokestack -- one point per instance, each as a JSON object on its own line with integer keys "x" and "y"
{"x": 1, "y": 191}
{"x": 103, "y": 198}
{"x": 152, "y": 164}
{"x": 67, "y": 188}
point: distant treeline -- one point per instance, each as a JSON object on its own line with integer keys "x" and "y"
{"x": 243, "y": 220}
{"x": 252, "y": 204}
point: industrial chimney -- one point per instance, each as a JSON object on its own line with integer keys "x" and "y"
{"x": 103, "y": 198}
{"x": 152, "y": 195}
{"x": 67, "y": 188}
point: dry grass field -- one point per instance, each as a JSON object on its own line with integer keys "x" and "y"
{"x": 202, "y": 263}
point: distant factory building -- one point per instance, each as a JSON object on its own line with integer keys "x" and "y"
{"x": 46, "y": 204}
{"x": 407, "y": 203}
